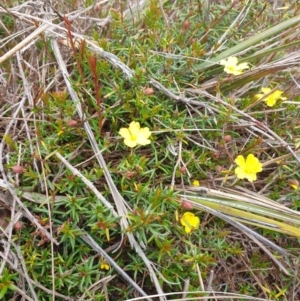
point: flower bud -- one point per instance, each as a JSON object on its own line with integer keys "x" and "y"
{"x": 148, "y": 91}
{"x": 182, "y": 169}
{"x": 187, "y": 205}
{"x": 227, "y": 138}
{"x": 186, "y": 25}
{"x": 72, "y": 123}
{"x": 18, "y": 225}
{"x": 18, "y": 169}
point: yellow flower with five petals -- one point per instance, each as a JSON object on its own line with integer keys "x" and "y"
{"x": 190, "y": 221}
{"x": 135, "y": 135}
{"x": 231, "y": 66}
{"x": 247, "y": 168}
{"x": 270, "y": 98}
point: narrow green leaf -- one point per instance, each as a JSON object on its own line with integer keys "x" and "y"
{"x": 3, "y": 292}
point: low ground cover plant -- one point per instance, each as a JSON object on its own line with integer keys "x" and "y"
{"x": 149, "y": 150}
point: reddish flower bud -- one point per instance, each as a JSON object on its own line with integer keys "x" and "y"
{"x": 72, "y": 123}
{"x": 148, "y": 91}
{"x": 187, "y": 205}
{"x": 18, "y": 169}
{"x": 18, "y": 225}
{"x": 227, "y": 138}
{"x": 182, "y": 169}
{"x": 186, "y": 25}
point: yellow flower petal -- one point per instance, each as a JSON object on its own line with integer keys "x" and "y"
{"x": 134, "y": 128}
{"x": 123, "y": 132}
{"x": 130, "y": 142}
{"x": 222, "y": 62}
{"x": 240, "y": 173}
{"x": 266, "y": 90}
{"x": 190, "y": 222}
{"x": 253, "y": 164}
{"x": 240, "y": 160}
{"x": 143, "y": 136}
{"x": 243, "y": 66}
{"x": 232, "y": 60}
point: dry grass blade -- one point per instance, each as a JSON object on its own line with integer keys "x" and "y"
{"x": 14, "y": 265}
{"x": 29, "y": 215}
{"x": 22, "y": 44}
{"x": 121, "y": 208}
{"x": 179, "y": 98}
{"x": 213, "y": 296}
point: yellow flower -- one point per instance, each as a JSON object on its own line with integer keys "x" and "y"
{"x": 231, "y": 66}
{"x": 247, "y": 168}
{"x": 190, "y": 222}
{"x": 104, "y": 266}
{"x": 135, "y": 135}
{"x": 196, "y": 183}
{"x": 272, "y": 98}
